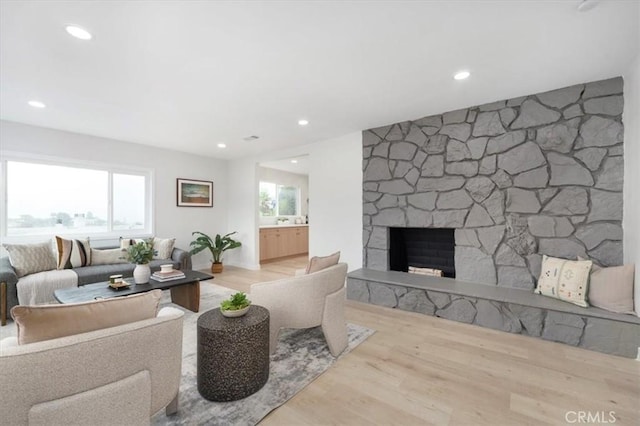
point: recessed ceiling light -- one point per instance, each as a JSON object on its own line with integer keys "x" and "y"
{"x": 461, "y": 75}
{"x": 303, "y": 122}
{"x": 222, "y": 145}
{"x": 294, "y": 161}
{"x": 37, "y": 104}
{"x": 78, "y": 32}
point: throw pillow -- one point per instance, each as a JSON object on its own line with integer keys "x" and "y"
{"x": 107, "y": 256}
{"x": 73, "y": 253}
{"x": 163, "y": 247}
{"x": 564, "y": 279}
{"x": 44, "y": 322}
{"x": 612, "y": 288}
{"x": 317, "y": 263}
{"x": 31, "y": 258}
{"x": 124, "y": 243}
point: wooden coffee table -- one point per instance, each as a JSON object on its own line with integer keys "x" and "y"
{"x": 184, "y": 292}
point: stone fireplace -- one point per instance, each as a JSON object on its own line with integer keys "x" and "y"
{"x": 423, "y": 248}
{"x": 516, "y": 179}
{"x": 510, "y": 181}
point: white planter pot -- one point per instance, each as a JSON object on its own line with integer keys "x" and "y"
{"x": 141, "y": 274}
{"x": 235, "y": 314}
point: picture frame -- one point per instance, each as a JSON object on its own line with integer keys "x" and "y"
{"x": 194, "y": 193}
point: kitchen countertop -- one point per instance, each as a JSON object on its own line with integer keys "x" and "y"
{"x": 289, "y": 225}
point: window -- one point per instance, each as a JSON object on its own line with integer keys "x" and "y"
{"x": 279, "y": 200}
{"x": 46, "y": 199}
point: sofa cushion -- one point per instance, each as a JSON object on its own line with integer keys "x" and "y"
{"x": 107, "y": 256}
{"x": 45, "y": 322}
{"x": 163, "y": 247}
{"x": 31, "y": 258}
{"x": 318, "y": 263}
{"x": 564, "y": 279}
{"x": 73, "y": 253}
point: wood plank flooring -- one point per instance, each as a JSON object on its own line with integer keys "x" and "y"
{"x": 421, "y": 370}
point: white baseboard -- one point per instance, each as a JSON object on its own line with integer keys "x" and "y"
{"x": 250, "y": 266}
{"x": 207, "y": 265}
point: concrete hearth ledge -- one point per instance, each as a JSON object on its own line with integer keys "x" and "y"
{"x": 483, "y": 291}
{"x": 501, "y": 308}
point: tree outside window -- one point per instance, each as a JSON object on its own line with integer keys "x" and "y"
{"x": 278, "y": 200}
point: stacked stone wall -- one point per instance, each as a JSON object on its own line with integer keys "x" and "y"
{"x": 517, "y": 178}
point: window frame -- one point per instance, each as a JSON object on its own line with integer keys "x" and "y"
{"x": 277, "y": 199}
{"x": 111, "y": 169}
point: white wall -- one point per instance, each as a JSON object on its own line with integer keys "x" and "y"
{"x": 243, "y": 213}
{"x": 169, "y": 220}
{"x": 280, "y": 177}
{"x": 335, "y": 200}
{"x": 631, "y": 217}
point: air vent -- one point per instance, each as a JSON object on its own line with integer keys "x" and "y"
{"x": 251, "y": 138}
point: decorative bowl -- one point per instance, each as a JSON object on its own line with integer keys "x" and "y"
{"x": 236, "y": 313}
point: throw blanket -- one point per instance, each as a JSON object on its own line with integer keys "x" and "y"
{"x": 35, "y": 289}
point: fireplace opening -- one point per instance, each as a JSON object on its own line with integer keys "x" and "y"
{"x": 422, "y": 248}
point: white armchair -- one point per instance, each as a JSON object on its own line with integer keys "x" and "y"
{"x": 306, "y": 301}
{"x": 116, "y": 375}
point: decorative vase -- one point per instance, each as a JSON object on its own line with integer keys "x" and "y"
{"x": 141, "y": 274}
{"x": 216, "y": 268}
{"x": 236, "y": 313}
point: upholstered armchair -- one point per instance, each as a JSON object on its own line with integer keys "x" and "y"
{"x": 306, "y": 301}
{"x": 116, "y": 375}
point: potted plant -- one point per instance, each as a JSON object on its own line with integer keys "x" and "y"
{"x": 236, "y": 306}
{"x": 217, "y": 246}
{"x": 141, "y": 254}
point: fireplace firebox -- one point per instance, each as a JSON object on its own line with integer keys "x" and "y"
{"x": 422, "y": 248}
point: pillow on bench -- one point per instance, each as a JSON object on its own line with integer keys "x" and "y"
{"x": 564, "y": 279}
{"x": 45, "y": 322}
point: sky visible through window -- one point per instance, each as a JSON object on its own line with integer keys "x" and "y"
{"x": 50, "y": 198}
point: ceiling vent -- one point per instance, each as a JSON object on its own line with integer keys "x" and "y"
{"x": 250, "y": 138}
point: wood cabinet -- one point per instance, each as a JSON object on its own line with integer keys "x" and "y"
{"x": 283, "y": 242}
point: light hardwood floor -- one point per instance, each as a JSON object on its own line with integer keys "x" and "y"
{"x": 421, "y": 370}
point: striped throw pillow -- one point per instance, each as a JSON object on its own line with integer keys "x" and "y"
{"x": 73, "y": 253}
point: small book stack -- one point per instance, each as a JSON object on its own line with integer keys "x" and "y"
{"x": 167, "y": 276}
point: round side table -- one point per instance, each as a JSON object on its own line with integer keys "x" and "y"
{"x": 233, "y": 354}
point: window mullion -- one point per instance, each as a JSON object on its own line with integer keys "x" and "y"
{"x": 110, "y": 202}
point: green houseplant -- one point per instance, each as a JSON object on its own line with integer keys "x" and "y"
{"x": 236, "y": 306}
{"x": 141, "y": 254}
{"x": 216, "y": 246}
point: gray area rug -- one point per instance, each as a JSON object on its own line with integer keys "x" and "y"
{"x": 301, "y": 357}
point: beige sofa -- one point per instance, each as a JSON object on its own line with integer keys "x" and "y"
{"x": 306, "y": 301}
{"x": 119, "y": 375}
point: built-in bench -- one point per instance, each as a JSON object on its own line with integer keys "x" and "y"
{"x": 507, "y": 309}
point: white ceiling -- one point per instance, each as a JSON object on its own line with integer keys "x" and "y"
{"x": 188, "y": 75}
{"x": 301, "y": 165}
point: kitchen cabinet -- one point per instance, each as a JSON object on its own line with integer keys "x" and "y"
{"x": 278, "y": 242}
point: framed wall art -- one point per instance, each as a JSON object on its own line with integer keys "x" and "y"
{"x": 194, "y": 193}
